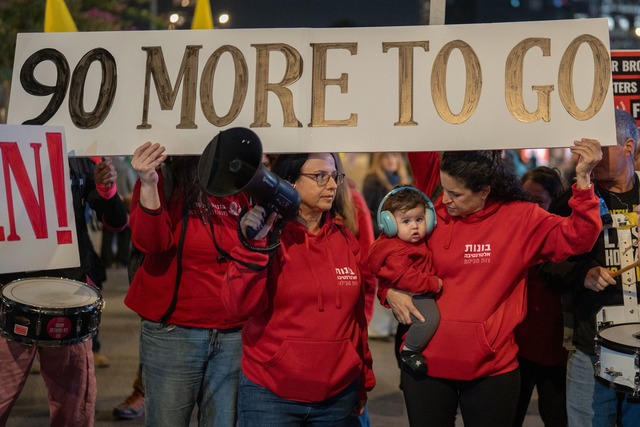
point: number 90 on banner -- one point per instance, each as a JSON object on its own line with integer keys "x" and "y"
{"x": 75, "y": 81}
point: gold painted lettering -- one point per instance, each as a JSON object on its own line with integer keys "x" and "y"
{"x": 405, "y": 74}
{"x": 293, "y": 72}
{"x": 320, "y": 82}
{"x": 240, "y": 86}
{"x": 157, "y": 68}
{"x": 514, "y": 86}
{"x": 473, "y": 86}
{"x": 601, "y": 77}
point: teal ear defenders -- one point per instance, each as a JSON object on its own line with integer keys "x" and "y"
{"x": 386, "y": 221}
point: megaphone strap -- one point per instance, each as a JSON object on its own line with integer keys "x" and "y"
{"x": 227, "y": 255}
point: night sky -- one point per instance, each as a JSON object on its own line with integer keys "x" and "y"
{"x": 318, "y": 13}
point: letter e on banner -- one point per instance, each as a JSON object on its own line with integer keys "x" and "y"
{"x": 37, "y": 227}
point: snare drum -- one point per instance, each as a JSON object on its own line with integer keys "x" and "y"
{"x": 618, "y": 348}
{"x": 49, "y": 312}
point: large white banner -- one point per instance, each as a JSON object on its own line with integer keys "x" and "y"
{"x": 422, "y": 88}
{"x": 37, "y": 224}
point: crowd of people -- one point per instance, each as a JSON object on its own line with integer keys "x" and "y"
{"x": 491, "y": 278}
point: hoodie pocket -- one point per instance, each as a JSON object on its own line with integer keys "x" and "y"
{"x": 313, "y": 370}
{"x": 459, "y": 351}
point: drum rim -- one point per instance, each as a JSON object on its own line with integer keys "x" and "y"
{"x": 24, "y": 279}
{"x": 46, "y": 309}
{"x": 613, "y": 345}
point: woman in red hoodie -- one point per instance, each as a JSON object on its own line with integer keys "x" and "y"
{"x": 487, "y": 237}
{"x": 190, "y": 348}
{"x": 305, "y": 359}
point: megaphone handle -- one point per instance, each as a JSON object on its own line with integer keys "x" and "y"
{"x": 273, "y": 240}
{"x": 252, "y": 232}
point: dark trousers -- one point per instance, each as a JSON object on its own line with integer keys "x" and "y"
{"x": 123, "y": 238}
{"x": 551, "y": 384}
{"x": 484, "y": 402}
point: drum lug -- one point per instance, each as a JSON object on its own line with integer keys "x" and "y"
{"x": 636, "y": 360}
{"x": 612, "y": 373}
{"x": 604, "y": 323}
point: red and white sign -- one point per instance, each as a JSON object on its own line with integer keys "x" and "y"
{"x": 37, "y": 226}
{"x": 625, "y": 69}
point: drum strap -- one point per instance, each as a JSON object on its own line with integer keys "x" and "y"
{"x": 629, "y": 281}
{"x": 183, "y": 233}
{"x": 630, "y": 310}
{"x": 629, "y": 278}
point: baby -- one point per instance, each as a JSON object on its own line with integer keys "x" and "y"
{"x": 400, "y": 259}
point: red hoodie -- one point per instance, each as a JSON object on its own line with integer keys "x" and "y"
{"x": 305, "y": 337}
{"x": 483, "y": 261}
{"x": 403, "y": 265}
{"x": 156, "y": 234}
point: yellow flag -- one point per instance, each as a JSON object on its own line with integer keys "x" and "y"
{"x": 202, "y": 19}
{"x": 57, "y": 17}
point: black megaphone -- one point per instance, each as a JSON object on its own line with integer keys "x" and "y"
{"x": 232, "y": 162}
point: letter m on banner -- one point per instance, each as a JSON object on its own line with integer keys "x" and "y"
{"x": 37, "y": 226}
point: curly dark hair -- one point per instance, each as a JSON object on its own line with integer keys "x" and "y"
{"x": 481, "y": 168}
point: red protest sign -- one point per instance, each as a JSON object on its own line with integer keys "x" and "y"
{"x": 625, "y": 70}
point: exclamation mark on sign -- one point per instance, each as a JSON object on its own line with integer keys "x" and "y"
{"x": 56, "y": 159}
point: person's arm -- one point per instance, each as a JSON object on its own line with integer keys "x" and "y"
{"x": 245, "y": 293}
{"x": 151, "y": 226}
{"x": 552, "y": 238}
{"x": 104, "y": 200}
{"x": 426, "y": 170}
{"x": 146, "y": 160}
{"x": 569, "y": 274}
{"x": 365, "y": 239}
{"x": 405, "y": 273}
{"x": 401, "y": 303}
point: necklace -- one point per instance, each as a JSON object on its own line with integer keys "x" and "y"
{"x": 626, "y": 196}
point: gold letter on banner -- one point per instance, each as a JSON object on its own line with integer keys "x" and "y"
{"x": 473, "y": 86}
{"x": 240, "y": 86}
{"x": 513, "y": 87}
{"x": 292, "y": 74}
{"x": 405, "y": 72}
{"x": 157, "y": 68}
{"x": 320, "y": 82}
{"x": 601, "y": 76}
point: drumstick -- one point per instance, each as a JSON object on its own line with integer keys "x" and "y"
{"x": 616, "y": 273}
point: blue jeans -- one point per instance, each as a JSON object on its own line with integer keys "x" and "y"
{"x": 591, "y": 403}
{"x": 182, "y": 367}
{"x": 259, "y": 407}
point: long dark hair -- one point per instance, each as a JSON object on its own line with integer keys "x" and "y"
{"x": 343, "y": 205}
{"x": 185, "y": 181}
{"x": 481, "y": 168}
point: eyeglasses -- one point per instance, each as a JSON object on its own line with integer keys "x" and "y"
{"x": 322, "y": 178}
